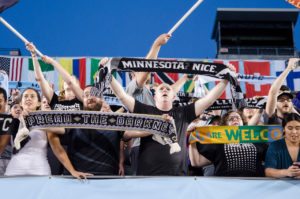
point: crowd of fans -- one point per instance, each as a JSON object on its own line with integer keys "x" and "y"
{"x": 84, "y": 152}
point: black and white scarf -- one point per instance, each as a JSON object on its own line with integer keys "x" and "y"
{"x": 226, "y": 104}
{"x": 153, "y": 124}
{"x": 214, "y": 71}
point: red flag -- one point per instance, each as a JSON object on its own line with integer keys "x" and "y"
{"x": 82, "y": 71}
{"x": 169, "y": 78}
{"x": 295, "y": 3}
{"x": 261, "y": 68}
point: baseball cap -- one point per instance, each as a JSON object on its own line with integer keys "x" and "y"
{"x": 288, "y": 93}
{"x": 13, "y": 103}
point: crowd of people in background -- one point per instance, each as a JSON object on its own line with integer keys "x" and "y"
{"x": 85, "y": 152}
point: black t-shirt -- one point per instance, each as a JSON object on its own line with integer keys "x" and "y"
{"x": 273, "y": 120}
{"x": 94, "y": 151}
{"x": 65, "y": 105}
{"x": 244, "y": 160}
{"x": 155, "y": 158}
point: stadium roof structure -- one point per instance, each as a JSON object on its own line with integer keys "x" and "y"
{"x": 254, "y": 14}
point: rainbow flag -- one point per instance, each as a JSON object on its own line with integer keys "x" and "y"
{"x": 76, "y": 67}
{"x": 235, "y": 134}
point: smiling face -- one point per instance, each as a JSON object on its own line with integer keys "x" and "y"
{"x": 234, "y": 119}
{"x": 284, "y": 104}
{"x": 30, "y": 100}
{"x": 292, "y": 131}
{"x": 91, "y": 103}
{"x": 16, "y": 110}
{"x": 164, "y": 93}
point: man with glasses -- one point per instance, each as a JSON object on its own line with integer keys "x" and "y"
{"x": 280, "y": 102}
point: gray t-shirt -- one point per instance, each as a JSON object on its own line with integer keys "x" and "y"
{"x": 274, "y": 119}
{"x": 143, "y": 94}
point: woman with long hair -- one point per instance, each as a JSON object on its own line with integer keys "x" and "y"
{"x": 283, "y": 156}
{"x": 235, "y": 159}
{"x": 31, "y": 159}
{"x": 68, "y": 100}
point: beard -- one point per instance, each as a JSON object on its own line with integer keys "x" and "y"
{"x": 96, "y": 106}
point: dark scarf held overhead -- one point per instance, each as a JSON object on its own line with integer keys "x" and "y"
{"x": 153, "y": 124}
{"x": 226, "y": 104}
{"x": 213, "y": 71}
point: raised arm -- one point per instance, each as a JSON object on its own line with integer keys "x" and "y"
{"x": 66, "y": 77}
{"x": 44, "y": 85}
{"x": 118, "y": 90}
{"x": 179, "y": 83}
{"x": 141, "y": 77}
{"x": 255, "y": 120}
{"x": 203, "y": 103}
{"x": 273, "y": 92}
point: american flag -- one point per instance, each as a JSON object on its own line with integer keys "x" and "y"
{"x": 12, "y": 66}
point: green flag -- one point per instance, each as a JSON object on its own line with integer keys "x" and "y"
{"x": 45, "y": 67}
{"x": 47, "y": 70}
{"x": 94, "y": 68}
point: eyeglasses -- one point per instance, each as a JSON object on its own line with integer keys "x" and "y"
{"x": 233, "y": 118}
{"x": 87, "y": 95}
{"x": 284, "y": 99}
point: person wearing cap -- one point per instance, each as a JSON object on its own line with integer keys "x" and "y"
{"x": 15, "y": 109}
{"x": 280, "y": 103}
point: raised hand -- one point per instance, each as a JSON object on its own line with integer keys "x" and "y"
{"x": 103, "y": 61}
{"x": 293, "y": 63}
{"x": 30, "y": 47}
{"x": 162, "y": 39}
{"x": 231, "y": 67}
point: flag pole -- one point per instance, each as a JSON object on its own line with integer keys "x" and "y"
{"x": 18, "y": 34}
{"x": 185, "y": 16}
